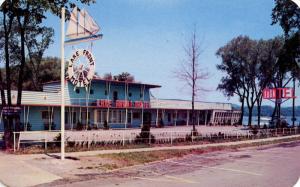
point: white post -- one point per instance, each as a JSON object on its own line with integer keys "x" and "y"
{"x": 187, "y": 117}
{"x": 156, "y": 118}
{"x": 62, "y": 81}
{"x": 123, "y": 138}
{"x": 15, "y": 141}
{"x": 143, "y": 89}
{"x": 126, "y": 101}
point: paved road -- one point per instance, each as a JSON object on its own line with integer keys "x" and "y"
{"x": 267, "y": 166}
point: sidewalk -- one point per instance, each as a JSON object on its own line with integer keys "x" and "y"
{"x": 16, "y": 173}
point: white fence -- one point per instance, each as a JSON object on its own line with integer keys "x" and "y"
{"x": 122, "y": 137}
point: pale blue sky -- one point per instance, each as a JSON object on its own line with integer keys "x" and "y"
{"x": 145, "y": 37}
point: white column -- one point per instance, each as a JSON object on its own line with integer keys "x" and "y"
{"x": 212, "y": 119}
{"x": 108, "y": 94}
{"x": 187, "y": 117}
{"x": 62, "y": 82}
{"x": 126, "y": 109}
{"x": 156, "y": 122}
{"x": 143, "y": 91}
{"x": 205, "y": 120}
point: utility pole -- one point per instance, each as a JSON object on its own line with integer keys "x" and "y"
{"x": 62, "y": 86}
{"x": 294, "y": 88}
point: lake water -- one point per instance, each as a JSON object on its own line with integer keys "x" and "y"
{"x": 287, "y": 118}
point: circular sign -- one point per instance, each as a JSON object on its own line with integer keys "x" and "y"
{"x": 81, "y": 71}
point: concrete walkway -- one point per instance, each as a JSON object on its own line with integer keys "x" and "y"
{"x": 15, "y": 172}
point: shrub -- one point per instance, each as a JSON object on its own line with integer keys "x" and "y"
{"x": 253, "y": 130}
{"x": 145, "y": 134}
{"x": 105, "y": 125}
{"x": 79, "y": 126}
{"x": 95, "y": 127}
{"x": 47, "y": 126}
{"x": 89, "y": 127}
{"x": 193, "y": 134}
{"x": 161, "y": 123}
{"x": 57, "y": 140}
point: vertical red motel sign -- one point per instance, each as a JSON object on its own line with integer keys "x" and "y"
{"x": 278, "y": 93}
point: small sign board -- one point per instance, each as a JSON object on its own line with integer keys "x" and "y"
{"x": 106, "y": 103}
{"x": 11, "y": 110}
{"x": 279, "y": 93}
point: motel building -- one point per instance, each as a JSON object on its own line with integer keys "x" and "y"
{"x": 117, "y": 103}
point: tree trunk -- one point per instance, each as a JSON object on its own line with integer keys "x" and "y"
{"x": 242, "y": 109}
{"x": 250, "y": 116}
{"x": 21, "y": 71}
{"x": 294, "y": 88}
{"x": 259, "y": 100}
{"x": 7, "y": 119}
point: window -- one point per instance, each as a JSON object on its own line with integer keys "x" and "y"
{"x": 101, "y": 116}
{"x": 129, "y": 117}
{"x": 169, "y": 117}
{"x": 91, "y": 91}
{"x": 68, "y": 117}
{"x": 136, "y": 115}
{"x": 77, "y": 91}
{"x": 117, "y": 116}
{"x": 45, "y": 115}
{"x": 83, "y": 117}
{"x": 115, "y": 95}
{"x": 130, "y": 94}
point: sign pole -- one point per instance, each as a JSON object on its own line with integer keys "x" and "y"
{"x": 62, "y": 82}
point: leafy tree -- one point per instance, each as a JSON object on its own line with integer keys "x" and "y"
{"x": 240, "y": 62}
{"x": 270, "y": 51}
{"x": 287, "y": 15}
{"x": 37, "y": 42}
{"x": 26, "y": 16}
{"x": 124, "y": 76}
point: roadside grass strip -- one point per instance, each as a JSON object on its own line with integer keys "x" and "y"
{"x": 218, "y": 168}
{"x": 127, "y": 159}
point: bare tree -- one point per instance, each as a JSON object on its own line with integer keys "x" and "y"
{"x": 190, "y": 71}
